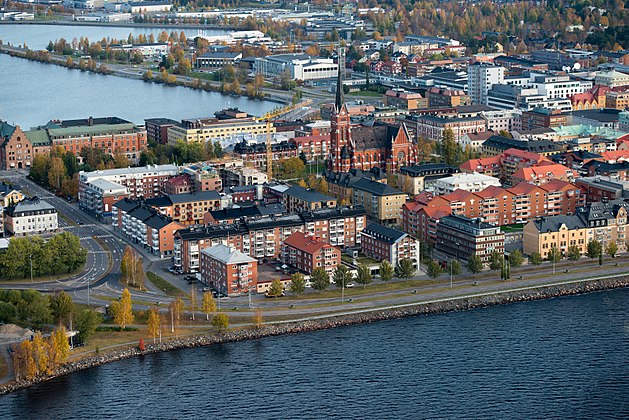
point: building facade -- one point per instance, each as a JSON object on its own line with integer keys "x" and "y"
{"x": 31, "y": 217}
{"x": 228, "y": 270}
{"x": 462, "y": 238}
{"x": 306, "y": 253}
{"x": 383, "y": 243}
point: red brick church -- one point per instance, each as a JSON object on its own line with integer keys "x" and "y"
{"x": 381, "y": 145}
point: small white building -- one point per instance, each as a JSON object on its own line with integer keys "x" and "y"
{"x": 31, "y": 217}
{"x": 472, "y": 182}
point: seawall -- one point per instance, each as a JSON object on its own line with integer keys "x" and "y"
{"x": 334, "y": 321}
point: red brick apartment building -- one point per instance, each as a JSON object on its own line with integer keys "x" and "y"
{"x": 228, "y": 270}
{"x": 306, "y": 252}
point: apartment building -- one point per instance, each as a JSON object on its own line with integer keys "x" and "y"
{"x": 540, "y": 175}
{"x": 600, "y": 188}
{"x": 499, "y": 206}
{"x": 157, "y": 129}
{"x": 315, "y": 146}
{"x": 145, "y": 226}
{"x": 431, "y": 127}
{"x": 443, "y": 97}
{"x": 234, "y": 176}
{"x": 383, "y": 243}
{"x": 255, "y": 153}
{"x": 32, "y": 216}
{"x": 472, "y": 182}
{"x": 306, "y": 253}
{"x": 146, "y": 181}
{"x": 498, "y": 144}
{"x": 382, "y": 202}
{"x": 297, "y": 198}
{"x": 188, "y": 208}
{"x": 228, "y": 270}
{"x": 180, "y": 184}
{"x": 417, "y": 178}
{"x": 98, "y": 197}
{"x": 401, "y": 99}
{"x": 227, "y": 124}
{"x": 461, "y": 238}
{"x": 605, "y": 222}
{"x": 261, "y": 237}
{"x": 480, "y": 78}
{"x": 16, "y": 149}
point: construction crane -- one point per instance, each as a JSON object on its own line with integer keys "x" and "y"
{"x": 269, "y": 151}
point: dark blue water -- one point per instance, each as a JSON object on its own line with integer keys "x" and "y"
{"x": 561, "y": 358}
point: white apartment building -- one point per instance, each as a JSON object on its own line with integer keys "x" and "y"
{"x": 145, "y": 181}
{"x": 473, "y": 182}
{"x": 480, "y": 78}
{"x": 508, "y": 120}
{"x": 31, "y": 217}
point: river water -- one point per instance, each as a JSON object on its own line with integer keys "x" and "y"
{"x": 34, "y": 93}
{"x": 561, "y": 358}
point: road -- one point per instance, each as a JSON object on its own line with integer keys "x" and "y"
{"x": 97, "y": 276}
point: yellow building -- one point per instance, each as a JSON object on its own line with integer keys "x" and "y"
{"x": 603, "y": 222}
{"x": 203, "y": 130}
{"x": 381, "y": 201}
{"x": 9, "y": 195}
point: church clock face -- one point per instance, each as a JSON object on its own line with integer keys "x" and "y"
{"x": 400, "y": 156}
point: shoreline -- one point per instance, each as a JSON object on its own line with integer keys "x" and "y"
{"x": 318, "y": 323}
{"x": 225, "y": 28}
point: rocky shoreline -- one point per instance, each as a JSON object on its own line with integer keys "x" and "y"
{"x": 455, "y": 304}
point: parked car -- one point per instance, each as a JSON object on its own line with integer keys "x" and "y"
{"x": 350, "y": 285}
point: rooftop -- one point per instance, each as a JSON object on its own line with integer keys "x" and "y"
{"x": 376, "y": 188}
{"x": 309, "y": 195}
{"x": 305, "y": 242}
{"x": 227, "y": 255}
{"x": 383, "y": 233}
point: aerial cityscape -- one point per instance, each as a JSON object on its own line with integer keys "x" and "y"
{"x": 328, "y": 209}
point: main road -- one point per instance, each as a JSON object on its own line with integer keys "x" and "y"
{"x": 101, "y": 274}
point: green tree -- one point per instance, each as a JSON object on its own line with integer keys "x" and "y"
{"x": 505, "y": 271}
{"x": 515, "y": 258}
{"x": 319, "y": 279}
{"x": 218, "y": 149}
{"x": 405, "y": 269}
{"x": 276, "y": 289}
{"x": 220, "y": 321}
{"x": 595, "y": 248}
{"x": 433, "y": 269}
{"x": 474, "y": 264}
{"x": 574, "y": 253}
{"x": 612, "y": 249}
{"x": 448, "y": 147}
{"x": 535, "y": 258}
{"x": 56, "y": 173}
{"x": 85, "y": 323}
{"x": 455, "y": 267}
{"x": 496, "y": 261}
{"x": 386, "y": 270}
{"x": 8, "y": 311}
{"x": 342, "y": 276}
{"x": 297, "y": 284}
{"x": 554, "y": 255}
{"x": 363, "y": 276}
{"x": 61, "y": 306}
{"x": 292, "y": 167}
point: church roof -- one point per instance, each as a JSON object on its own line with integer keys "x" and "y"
{"x": 380, "y": 136}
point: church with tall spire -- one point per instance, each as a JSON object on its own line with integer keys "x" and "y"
{"x": 380, "y": 145}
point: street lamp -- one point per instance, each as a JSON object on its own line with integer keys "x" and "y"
{"x": 31, "y": 257}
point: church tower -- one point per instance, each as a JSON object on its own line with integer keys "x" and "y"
{"x": 341, "y": 151}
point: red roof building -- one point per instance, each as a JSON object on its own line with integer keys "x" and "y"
{"x": 306, "y": 253}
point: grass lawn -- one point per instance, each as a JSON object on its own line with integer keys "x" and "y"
{"x": 164, "y": 285}
{"x": 44, "y": 279}
{"x": 512, "y": 228}
{"x": 200, "y": 75}
{"x": 367, "y": 261}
